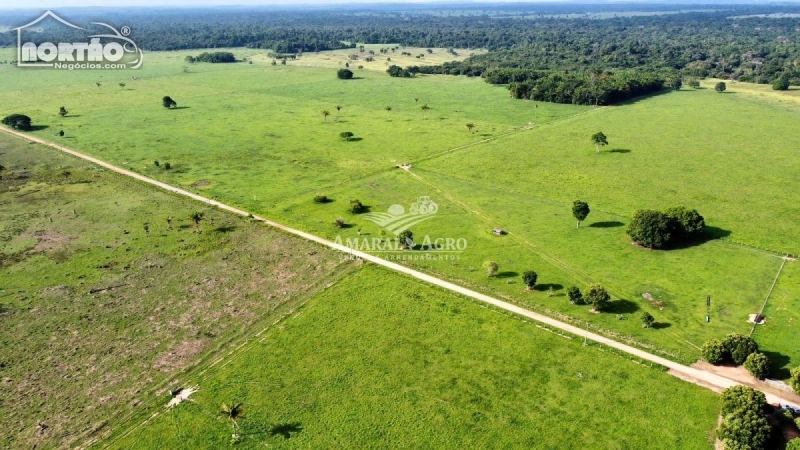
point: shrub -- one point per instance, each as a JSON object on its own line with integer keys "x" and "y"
{"x": 794, "y": 444}
{"x": 651, "y": 229}
{"x": 758, "y": 365}
{"x": 356, "y": 207}
{"x": 575, "y": 296}
{"x": 647, "y": 320}
{"x": 18, "y": 122}
{"x": 687, "y": 224}
{"x": 739, "y": 398}
{"x": 598, "y": 297}
{"x": 739, "y": 347}
{"x": 345, "y": 74}
{"x": 406, "y": 238}
{"x": 529, "y": 278}
{"x": 782, "y": 83}
{"x": 339, "y": 223}
{"x": 321, "y": 198}
{"x": 720, "y": 87}
{"x": 714, "y": 352}
{"x": 491, "y": 268}
{"x": 794, "y": 379}
{"x": 346, "y": 135}
{"x": 746, "y": 430}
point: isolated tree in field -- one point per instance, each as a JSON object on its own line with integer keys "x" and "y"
{"x": 321, "y": 198}
{"x": 168, "y": 102}
{"x": 651, "y": 229}
{"x": 169, "y": 222}
{"x": 338, "y": 109}
{"x": 599, "y": 139}
{"x": 167, "y": 166}
{"x": 491, "y": 268}
{"x": 758, "y": 365}
{"x": 122, "y": 85}
{"x": 406, "y": 238}
{"x": 346, "y": 135}
{"x": 782, "y": 83}
{"x": 233, "y": 412}
{"x": 694, "y": 84}
{"x": 416, "y": 99}
{"x": 18, "y": 122}
{"x": 794, "y": 379}
{"x": 720, "y": 87}
{"x": 580, "y": 210}
{"x": 325, "y": 114}
{"x": 470, "y": 126}
{"x": 339, "y": 223}
{"x": 197, "y": 217}
{"x": 714, "y": 352}
{"x": 66, "y": 174}
{"x": 388, "y": 108}
{"x": 62, "y": 111}
{"x": 575, "y": 295}
{"x": 647, "y": 320}
{"x": 425, "y": 109}
{"x": 598, "y": 297}
{"x": 97, "y": 83}
{"x": 61, "y": 133}
{"x": 739, "y": 347}
{"x": 356, "y": 207}
{"x": 676, "y": 83}
{"x": 529, "y": 278}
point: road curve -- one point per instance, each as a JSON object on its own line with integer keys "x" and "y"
{"x": 696, "y": 376}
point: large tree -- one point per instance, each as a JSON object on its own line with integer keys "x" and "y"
{"x": 720, "y": 87}
{"x": 529, "y": 278}
{"x": 580, "y": 210}
{"x": 739, "y": 347}
{"x": 758, "y": 365}
{"x": 18, "y": 122}
{"x": 575, "y": 295}
{"x": 599, "y": 139}
{"x": 714, "y": 352}
{"x": 344, "y": 74}
{"x": 782, "y": 83}
{"x": 168, "y": 102}
{"x": 688, "y": 224}
{"x": 651, "y": 229}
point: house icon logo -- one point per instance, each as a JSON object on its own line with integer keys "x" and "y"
{"x": 111, "y": 49}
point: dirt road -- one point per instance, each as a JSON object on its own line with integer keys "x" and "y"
{"x": 700, "y": 377}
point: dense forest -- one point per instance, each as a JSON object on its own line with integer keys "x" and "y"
{"x": 576, "y": 43}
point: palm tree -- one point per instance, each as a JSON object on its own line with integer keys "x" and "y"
{"x": 197, "y": 217}
{"x": 325, "y": 114}
{"x": 416, "y": 99}
{"x": 338, "y": 108}
{"x": 470, "y": 126}
{"x": 233, "y": 413}
{"x": 425, "y": 109}
{"x": 599, "y": 139}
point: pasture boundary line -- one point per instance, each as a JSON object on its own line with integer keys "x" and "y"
{"x": 704, "y": 376}
{"x": 769, "y": 294}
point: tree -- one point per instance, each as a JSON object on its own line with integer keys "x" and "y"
{"x": 529, "y": 278}
{"x": 406, "y": 238}
{"x": 714, "y": 352}
{"x": 233, "y": 412}
{"x": 339, "y": 223}
{"x": 18, "y": 122}
{"x": 491, "y": 268}
{"x": 758, "y": 365}
{"x": 739, "y": 347}
{"x": 575, "y": 296}
{"x": 197, "y": 217}
{"x": 720, "y": 87}
{"x": 61, "y": 133}
{"x": 397, "y": 71}
{"x": 782, "y": 83}
{"x": 694, "y": 84}
{"x": 676, "y": 83}
{"x": 168, "y": 102}
{"x": 687, "y": 224}
{"x": 320, "y": 198}
{"x": 580, "y": 210}
{"x": 346, "y": 135}
{"x": 344, "y": 74}
{"x": 747, "y": 430}
{"x": 325, "y": 114}
{"x": 470, "y": 126}
{"x": 651, "y": 229}
{"x": 416, "y": 99}
{"x": 647, "y": 320}
{"x": 425, "y": 109}
{"x": 62, "y": 111}
{"x": 388, "y": 108}
{"x": 794, "y": 444}
{"x": 598, "y": 297}
{"x": 167, "y": 166}
{"x": 740, "y": 397}
{"x": 122, "y": 85}
{"x": 338, "y": 109}
{"x": 599, "y": 139}
{"x": 794, "y": 379}
{"x": 356, "y": 207}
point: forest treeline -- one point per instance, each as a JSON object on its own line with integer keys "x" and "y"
{"x": 566, "y": 43}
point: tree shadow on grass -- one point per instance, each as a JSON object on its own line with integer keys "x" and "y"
{"x": 622, "y": 306}
{"x": 548, "y": 286}
{"x": 181, "y": 107}
{"x": 710, "y": 234}
{"x": 506, "y": 274}
{"x": 660, "y": 325}
{"x": 38, "y": 127}
{"x": 607, "y": 224}
{"x": 618, "y": 150}
{"x": 777, "y": 364}
{"x": 285, "y": 429}
{"x": 354, "y": 139}
{"x": 225, "y": 229}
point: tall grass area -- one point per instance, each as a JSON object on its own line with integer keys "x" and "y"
{"x": 380, "y": 361}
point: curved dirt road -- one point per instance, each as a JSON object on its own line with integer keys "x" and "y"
{"x": 700, "y": 377}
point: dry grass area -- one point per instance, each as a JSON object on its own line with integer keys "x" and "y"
{"x": 381, "y": 61}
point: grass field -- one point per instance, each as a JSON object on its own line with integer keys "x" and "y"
{"x": 253, "y": 135}
{"x": 98, "y": 314}
{"x": 349, "y": 371}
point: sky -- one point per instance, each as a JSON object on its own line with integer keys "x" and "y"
{"x": 52, "y": 4}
